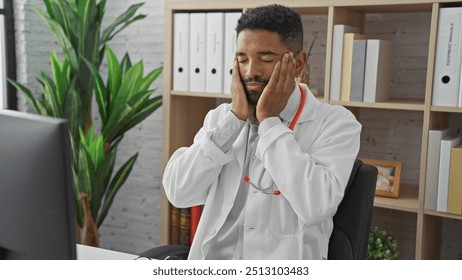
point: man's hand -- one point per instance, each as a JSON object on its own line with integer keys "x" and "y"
{"x": 241, "y": 107}
{"x": 278, "y": 90}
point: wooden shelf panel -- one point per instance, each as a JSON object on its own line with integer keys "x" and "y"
{"x": 315, "y": 6}
{"x": 393, "y": 104}
{"x": 406, "y": 202}
{"x": 446, "y": 109}
{"x": 201, "y": 94}
{"x": 441, "y": 214}
{"x": 216, "y": 95}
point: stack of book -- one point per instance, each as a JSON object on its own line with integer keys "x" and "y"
{"x": 179, "y": 225}
{"x": 361, "y": 67}
{"x": 443, "y": 187}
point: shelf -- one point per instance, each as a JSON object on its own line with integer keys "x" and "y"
{"x": 184, "y": 111}
{"x": 201, "y": 94}
{"x": 310, "y": 5}
{"x": 393, "y": 104}
{"x": 441, "y": 214}
{"x": 217, "y": 95}
{"x": 406, "y": 202}
{"x": 446, "y": 109}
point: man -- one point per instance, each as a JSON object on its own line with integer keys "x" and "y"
{"x": 271, "y": 167}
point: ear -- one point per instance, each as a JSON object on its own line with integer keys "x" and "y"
{"x": 300, "y": 61}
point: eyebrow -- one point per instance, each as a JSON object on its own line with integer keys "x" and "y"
{"x": 259, "y": 53}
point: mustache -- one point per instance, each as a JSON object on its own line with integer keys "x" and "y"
{"x": 255, "y": 80}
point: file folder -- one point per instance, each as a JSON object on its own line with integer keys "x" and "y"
{"x": 197, "y": 25}
{"x": 230, "y": 48}
{"x": 448, "y": 57}
{"x": 181, "y": 52}
{"x": 215, "y": 47}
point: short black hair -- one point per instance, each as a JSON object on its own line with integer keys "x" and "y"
{"x": 275, "y": 18}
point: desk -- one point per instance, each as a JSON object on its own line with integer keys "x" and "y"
{"x": 93, "y": 253}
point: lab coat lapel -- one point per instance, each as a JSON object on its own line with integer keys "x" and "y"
{"x": 239, "y": 146}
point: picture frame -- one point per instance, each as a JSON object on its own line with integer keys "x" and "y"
{"x": 388, "y": 177}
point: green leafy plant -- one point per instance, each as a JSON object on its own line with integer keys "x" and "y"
{"x": 381, "y": 246}
{"x": 124, "y": 99}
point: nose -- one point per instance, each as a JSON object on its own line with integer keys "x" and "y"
{"x": 253, "y": 69}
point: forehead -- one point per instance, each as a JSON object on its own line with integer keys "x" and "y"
{"x": 259, "y": 40}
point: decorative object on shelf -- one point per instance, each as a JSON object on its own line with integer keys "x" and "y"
{"x": 381, "y": 246}
{"x": 124, "y": 100}
{"x": 305, "y": 76}
{"x": 388, "y": 177}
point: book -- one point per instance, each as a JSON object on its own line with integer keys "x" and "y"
{"x": 184, "y": 235}
{"x": 433, "y": 163}
{"x": 347, "y": 63}
{"x": 337, "y": 55}
{"x": 197, "y": 49}
{"x": 181, "y": 52}
{"x": 448, "y": 58}
{"x": 357, "y": 70}
{"x": 194, "y": 221}
{"x": 174, "y": 225}
{"x": 447, "y": 144}
{"x": 455, "y": 182}
{"x": 377, "y": 76}
{"x": 215, "y": 26}
{"x": 230, "y": 49}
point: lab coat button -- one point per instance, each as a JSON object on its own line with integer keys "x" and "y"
{"x": 233, "y": 127}
{"x": 230, "y": 202}
{"x": 211, "y": 231}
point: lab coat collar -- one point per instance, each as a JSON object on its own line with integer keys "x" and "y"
{"x": 309, "y": 111}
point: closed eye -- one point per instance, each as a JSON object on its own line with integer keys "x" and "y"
{"x": 268, "y": 58}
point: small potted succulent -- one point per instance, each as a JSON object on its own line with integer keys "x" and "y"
{"x": 381, "y": 246}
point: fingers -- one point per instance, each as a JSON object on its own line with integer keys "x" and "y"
{"x": 287, "y": 75}
{"x": 235, "y": 77}
{"x": 240, "y": 105}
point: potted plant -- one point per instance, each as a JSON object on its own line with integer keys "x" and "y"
{"x": 381, "y": 246}
{"x": 124, "y": 99}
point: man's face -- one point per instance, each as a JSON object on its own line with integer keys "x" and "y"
{"x": 257, "y": 52}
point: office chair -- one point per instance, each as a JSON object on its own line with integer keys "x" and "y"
{"x": 352, "y": 221}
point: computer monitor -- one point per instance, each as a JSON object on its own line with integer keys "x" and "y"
{"x": 37, "y": 218}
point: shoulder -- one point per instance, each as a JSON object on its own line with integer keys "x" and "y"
{"x": 215, "y": 115}
{"x": 334, "y": 111}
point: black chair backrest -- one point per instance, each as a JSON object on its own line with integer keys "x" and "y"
{"x": 352, "y": 222}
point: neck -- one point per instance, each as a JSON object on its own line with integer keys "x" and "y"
{"x": 253, "y": 118}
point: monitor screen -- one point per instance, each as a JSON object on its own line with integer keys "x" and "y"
{"x": 37, "y": 218}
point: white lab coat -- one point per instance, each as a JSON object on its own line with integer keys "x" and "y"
{"x": 310, "y": 166}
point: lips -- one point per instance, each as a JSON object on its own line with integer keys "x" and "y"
{"x": 254, "y": 86}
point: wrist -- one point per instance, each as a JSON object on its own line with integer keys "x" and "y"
{"x": 237, "y": 116}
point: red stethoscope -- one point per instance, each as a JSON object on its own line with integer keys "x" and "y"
{"x": 269, "y": 190}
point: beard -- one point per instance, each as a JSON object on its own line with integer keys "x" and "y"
{"x": 253, "y": 95}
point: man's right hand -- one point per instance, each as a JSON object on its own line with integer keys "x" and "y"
{"x": 240, "y": 106}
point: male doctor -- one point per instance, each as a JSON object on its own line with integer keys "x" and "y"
{"x": 271, "y": 167}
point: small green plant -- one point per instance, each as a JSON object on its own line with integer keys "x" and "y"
{"x": 381, "y": 246}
